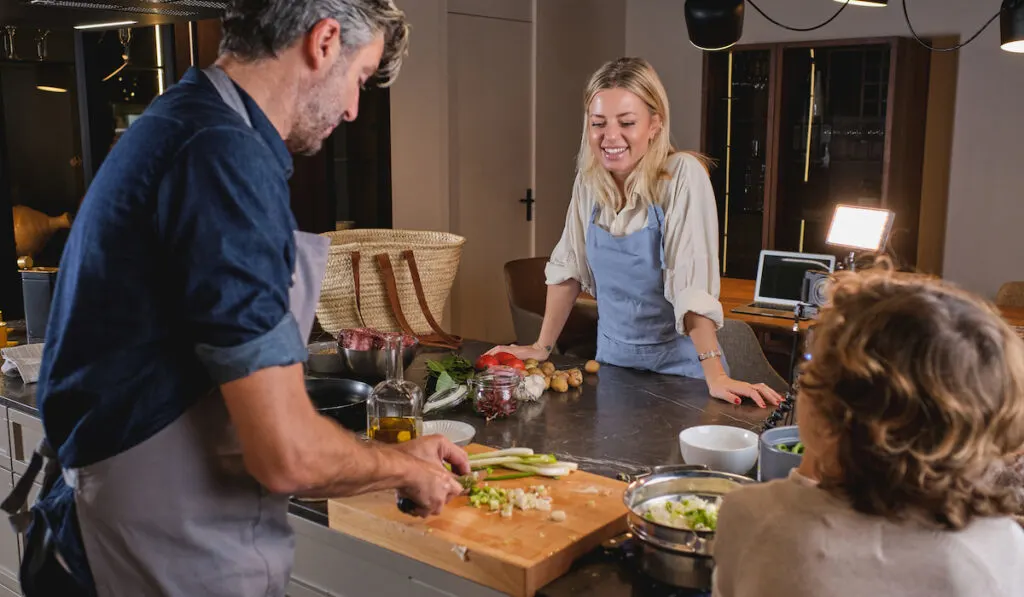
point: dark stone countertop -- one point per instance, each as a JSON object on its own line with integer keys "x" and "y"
{"x": 618, "y": 421}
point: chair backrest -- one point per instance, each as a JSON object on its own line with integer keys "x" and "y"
{"x": 1011, "y": 294}
{"x": 525, "y": 283}
{"x": 746, "y": 359}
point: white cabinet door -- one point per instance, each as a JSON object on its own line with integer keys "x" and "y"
{"x": 10, "y": 554}
{"x": 490, "y": 118}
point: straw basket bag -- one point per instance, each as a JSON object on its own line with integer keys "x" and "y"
{"x": 390, "y": 280}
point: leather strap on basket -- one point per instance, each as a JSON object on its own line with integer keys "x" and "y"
{"x": 450, "y": 339}
{"x": 355, "y": 280}
{"x": 438, "y": 338}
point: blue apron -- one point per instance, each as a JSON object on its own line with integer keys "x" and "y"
{"x": 636, "y": 325}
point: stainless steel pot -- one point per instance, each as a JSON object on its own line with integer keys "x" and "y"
{"x": 678, "y": 557}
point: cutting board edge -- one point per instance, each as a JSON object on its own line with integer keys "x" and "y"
{"x": 545, "y": 571}
{"x": 478, "y": 566}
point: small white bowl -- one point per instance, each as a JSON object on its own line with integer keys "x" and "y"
{"x": 457, "y": 432}
{"x": 720, "y": 448}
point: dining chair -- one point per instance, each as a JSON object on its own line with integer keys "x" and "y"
{"x": 746, "y": 359}
{"x": 527, "y": 293}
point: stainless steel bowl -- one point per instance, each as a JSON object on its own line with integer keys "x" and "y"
{"x": 325, "y": 358}
{"x": 371, "y": 365}
{"x": 679, "y": 557}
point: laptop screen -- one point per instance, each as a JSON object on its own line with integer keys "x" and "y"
{"x": 780, "y": 276}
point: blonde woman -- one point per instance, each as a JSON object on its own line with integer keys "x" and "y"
{"x": 642, "y": 237}
{"x": 911, "y": 411}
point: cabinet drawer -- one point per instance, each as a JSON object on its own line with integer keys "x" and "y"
{"x": 25, "y": 434}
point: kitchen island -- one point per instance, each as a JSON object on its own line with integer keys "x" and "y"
{"x": 619, "y": 421}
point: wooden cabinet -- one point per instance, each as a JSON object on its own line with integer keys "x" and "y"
{"x": 797, "y": 128}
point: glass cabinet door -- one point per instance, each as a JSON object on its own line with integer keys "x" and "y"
{"x": 832, "y": 139}
{"x": 737, "y": 104}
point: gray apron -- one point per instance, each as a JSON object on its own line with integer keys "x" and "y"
{"x": 178, "y": 515}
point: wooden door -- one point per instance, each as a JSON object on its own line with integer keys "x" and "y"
{"x": 490, "y": 114}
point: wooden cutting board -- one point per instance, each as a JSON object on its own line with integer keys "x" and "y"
{"x": 517, "y": 555}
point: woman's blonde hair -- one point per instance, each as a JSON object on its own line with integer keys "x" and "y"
{"x": 921, "y": 387}
{"x": 637, "y": 76}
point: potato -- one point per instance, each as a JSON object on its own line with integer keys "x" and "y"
{"x": 534, "y": 371}
{"x": 531, "y": 363}
{"x": 575, "y": 375}
{"x": 548, "y": 367}
{"x": 592, "y": 367}
{"x": 560, "y": 384}
{"x": 547, "y": 382}
{"x": 574, "y": 382}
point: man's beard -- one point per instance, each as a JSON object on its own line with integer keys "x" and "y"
{"x": 314, "y": 117}
{"x": 306, "y": 137}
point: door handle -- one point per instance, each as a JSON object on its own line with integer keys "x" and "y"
{"x": 529, "y": 201}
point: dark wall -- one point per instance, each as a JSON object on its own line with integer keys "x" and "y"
{"x": 40, "y": 148}
{"x": 350, "y": 179}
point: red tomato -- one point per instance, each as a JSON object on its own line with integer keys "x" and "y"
{"x": 517, "y": 364}
{"x": 488, "y": 360}
{"x": 505, "y": 358}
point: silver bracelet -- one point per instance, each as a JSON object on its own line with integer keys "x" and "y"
{"x": 709, "y": 355}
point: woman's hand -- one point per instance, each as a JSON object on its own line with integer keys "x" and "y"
{"x": 524, "y": 352}
{"x": 726, "y": 388}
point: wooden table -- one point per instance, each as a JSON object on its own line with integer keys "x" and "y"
{"x": 736, "y": 293}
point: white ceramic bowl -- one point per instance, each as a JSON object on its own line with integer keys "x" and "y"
{"x": 720, "y": 448}
{"x": 457, "y": 432}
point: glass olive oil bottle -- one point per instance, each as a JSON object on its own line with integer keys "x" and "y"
{"x": 394, "y": 411}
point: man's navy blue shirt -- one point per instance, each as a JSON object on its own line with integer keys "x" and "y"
{"x": 174, "y": 280}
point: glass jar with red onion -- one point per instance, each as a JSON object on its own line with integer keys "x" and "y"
{"x": 494, "y": 392}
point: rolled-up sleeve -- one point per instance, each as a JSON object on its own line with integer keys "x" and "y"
{"x": 692, "y": 282}
{"x": 225, "y": 215}
{"x": 568, "y": 260}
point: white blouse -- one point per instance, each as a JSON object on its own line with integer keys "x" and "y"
{"x": 690, "y": 238}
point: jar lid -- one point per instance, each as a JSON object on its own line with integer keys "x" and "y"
{"x": 498, "y": 376}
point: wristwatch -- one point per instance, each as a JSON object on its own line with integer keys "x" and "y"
{"x": 714, "y": 354}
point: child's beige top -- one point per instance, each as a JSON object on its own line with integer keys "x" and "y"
{"x": 788, "y": 538}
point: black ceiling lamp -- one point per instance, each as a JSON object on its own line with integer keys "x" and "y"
{"x": 714, "y": 24}
{"x": 718, "y": 24}
{"x": 1011, "y": 26}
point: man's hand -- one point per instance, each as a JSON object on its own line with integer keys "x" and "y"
{"x": 430, "y": 485}
{"x": 437, "y": 449}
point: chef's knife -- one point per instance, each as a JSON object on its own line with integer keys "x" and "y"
{"x": 407, "y": 506}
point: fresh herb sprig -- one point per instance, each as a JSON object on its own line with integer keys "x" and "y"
{"x": 451, "y": 371}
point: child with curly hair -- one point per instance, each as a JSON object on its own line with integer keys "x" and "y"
{"x": 911, "y": 410}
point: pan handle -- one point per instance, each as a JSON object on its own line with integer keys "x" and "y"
{"x": 665, "y": 468}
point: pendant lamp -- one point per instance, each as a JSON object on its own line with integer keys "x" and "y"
{"x": 714, "y": 24}
{"x": 875, "y": 3}
{"x": 1011, "y": 26}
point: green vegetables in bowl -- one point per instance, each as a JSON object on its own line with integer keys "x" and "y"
{"x": 690, "y": 513}
{"x": 797, "y": 448}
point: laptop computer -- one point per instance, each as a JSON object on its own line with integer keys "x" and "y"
{"x": 780, "y": 277}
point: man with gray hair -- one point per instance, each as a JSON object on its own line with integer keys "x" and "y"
{"x": 172, "y": 389}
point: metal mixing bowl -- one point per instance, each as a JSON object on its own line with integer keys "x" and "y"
{"x": 371, "y": 365}
{"x": 325, "y": 358}
{"x": 678, "y": 557}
